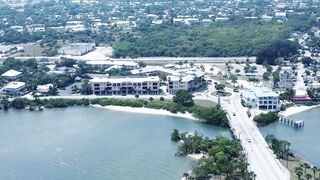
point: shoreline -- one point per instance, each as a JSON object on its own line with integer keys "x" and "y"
{"x": 297, "y": 109}
{"x": 144, "y": 110}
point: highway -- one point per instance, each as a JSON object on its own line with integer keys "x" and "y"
{"x": 260, "y": 157}
{"x": 149, "y": 60}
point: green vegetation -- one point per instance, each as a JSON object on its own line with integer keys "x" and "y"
{"x": 281, "y": 148}
{"x": 277, "y": 49}
{"x": 224, "y": 157}
{"x": 265, "y": 119}
{"x": 183, "y": 98}
{"x": 288, "y": 94}
{"x": 211, "y": 115}
{"x": 230, "y": 39}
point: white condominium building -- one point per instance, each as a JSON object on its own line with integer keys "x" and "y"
{"x": 176, "y": 83}
{"x": 262, "y": 98}
{"x": 189, "y": 81}
{"x": 126, "y": 85}
{"x": 14, "y": 88}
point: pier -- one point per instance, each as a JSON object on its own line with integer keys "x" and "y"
{"x": 290, "y": 122}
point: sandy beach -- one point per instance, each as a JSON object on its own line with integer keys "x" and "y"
{"x": 148, "y": 111}
{"x": 196, "y": 156}
{"x": 296, "y": 109}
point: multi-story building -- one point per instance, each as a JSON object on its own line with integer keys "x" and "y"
{"x": 188, "y": 82}
{"x": 14, "y": 88}
{"x": 286, "y": 78}
{"x": 11, "y": 75}
{"x": 261, "y": 98}
{"x": 126, "y": 85}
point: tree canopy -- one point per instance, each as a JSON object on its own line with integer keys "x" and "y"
{"x": 277, "y": 49}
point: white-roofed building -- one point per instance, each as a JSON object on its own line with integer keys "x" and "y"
{"x": 44, "y": 89}
{"x": 262, "y": 98}
{"x": 14, "y": 88}
{"x": 188, "y": 81}
{"x": 125, "y": 85}
{"x": 77, "y": 49}
{"x": 11, "y": 75}
{"x": 107, "y": 64}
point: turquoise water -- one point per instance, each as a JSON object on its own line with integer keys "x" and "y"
{"x": 304, "y": 141}
{"x": 89, "y": 143}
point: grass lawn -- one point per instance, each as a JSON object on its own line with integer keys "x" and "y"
{"x": 205, "y": 103}
{"x": 295, "y": 162}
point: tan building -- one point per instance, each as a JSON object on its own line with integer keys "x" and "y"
{"x": 126, "y": 85}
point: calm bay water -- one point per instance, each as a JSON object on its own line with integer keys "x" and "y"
{"x": 89, "y": 143}
{"x": 304, "y": 141}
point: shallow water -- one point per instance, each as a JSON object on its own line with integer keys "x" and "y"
{"x": 90, "y": 143}
{"x": 304, "y": 141}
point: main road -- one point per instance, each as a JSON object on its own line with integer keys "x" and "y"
{"x": 260, "y": 157}
{"x": 149, "y": 60}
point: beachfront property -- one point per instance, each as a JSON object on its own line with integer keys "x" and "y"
{"x": 262, "y": 98}
{"x": 111, "y": 64}
{"x": 177, "y": 77}
{"x": 286, "y": 77}
{"x": 14, "y": 88}
{"x": 11, "y": 75}
{"x": 77, "y": 49}
{"x": 125, "y": 85}
{"x": 189, "y": 82}
{"x": 44, "y": 89}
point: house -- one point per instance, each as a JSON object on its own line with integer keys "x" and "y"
{"x": 14, "y": 88}
{"x": 286, "y": 78}
{"x": 262, "y": 98}
{"x": 11, "y": 75}
{"x": 44, "y": 89}
{"x": 126, "y": 85}
{"x": 77, "y": 49}
{"x": 107, "y": 64}
{"x": 301, "y": 99}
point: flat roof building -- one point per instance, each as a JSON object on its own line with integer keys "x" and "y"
{"x": 77, "y": 49}
{"x": 11, "y": 75}
{"x": 14, "y": 88}
{"x": 125, "y": 85}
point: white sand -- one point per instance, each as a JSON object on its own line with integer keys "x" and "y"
{"x": 296, "y": 109}
{"x": 148, "y": 111}
{"x": 196, "y": 156}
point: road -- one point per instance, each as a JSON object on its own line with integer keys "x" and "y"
{"x": 260, "y": 157}
{"x": 300, "y": 87}
{"x": 149, "y": 60}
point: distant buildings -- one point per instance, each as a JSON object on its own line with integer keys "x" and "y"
{"x": 262, "y": 98}
{"x": 129, "y": 65}
{"x": 286, "y": 78}
{"x": 177, "y": 77}
{"x": 126, "y": 85}
{"x": 7, "y": 49}
{"x": 14, "y": 88}
{"x": 77, "y": 49}
{"x": 11, "y": 75}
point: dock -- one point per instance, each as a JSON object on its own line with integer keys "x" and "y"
{"x": 290, "y": 122}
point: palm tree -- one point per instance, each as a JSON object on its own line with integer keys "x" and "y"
{"x": 305, "y": 166}
{"x": 308, "y": 176}
{"x": 299, "y": 174}
{"x": 314, "y": 169}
